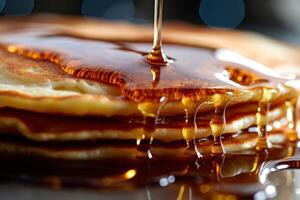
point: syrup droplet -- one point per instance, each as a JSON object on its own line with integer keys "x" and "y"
{"x": 155, "y": 70}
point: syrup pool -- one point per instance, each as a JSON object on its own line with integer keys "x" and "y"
{"x": 231, "y": 176}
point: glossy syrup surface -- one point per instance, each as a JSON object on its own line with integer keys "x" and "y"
{"x": 195, "y": 73}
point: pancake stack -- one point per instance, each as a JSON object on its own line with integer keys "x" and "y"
{"x": 74, "y": 88}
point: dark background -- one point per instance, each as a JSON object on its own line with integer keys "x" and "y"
{"x": 278, "y": 18}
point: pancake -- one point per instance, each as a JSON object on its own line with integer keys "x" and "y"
{"x": 77, "y": 80}
{"x": 107, "y": 150}
{"x": 49, "y": 127}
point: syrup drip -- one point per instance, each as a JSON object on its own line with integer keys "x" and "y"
{"x": 262, "y": 117}
{"x": 262, "y": 121}
{"x": 188, "y": 133}
{"x": 218, "y": 123}
{"x": 144, "y": 144}
{"x": 259, "y": 159}
{"x": 198, "y": 153}
{"x": 292, "y": 120}
{"x": 155, "y": 70}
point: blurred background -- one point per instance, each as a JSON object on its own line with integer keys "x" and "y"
{"x": 276, "y": 18}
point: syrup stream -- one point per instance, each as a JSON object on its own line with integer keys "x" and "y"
{"x": 157, "y": 56}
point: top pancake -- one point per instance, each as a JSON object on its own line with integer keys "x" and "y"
{"x": 43, "y": 86}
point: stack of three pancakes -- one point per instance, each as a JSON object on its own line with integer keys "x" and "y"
{"x": 79, "y": 89}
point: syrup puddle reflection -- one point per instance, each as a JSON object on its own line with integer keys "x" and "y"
{"x": 232, "y": 176}
{"x": 279, "y": 176}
